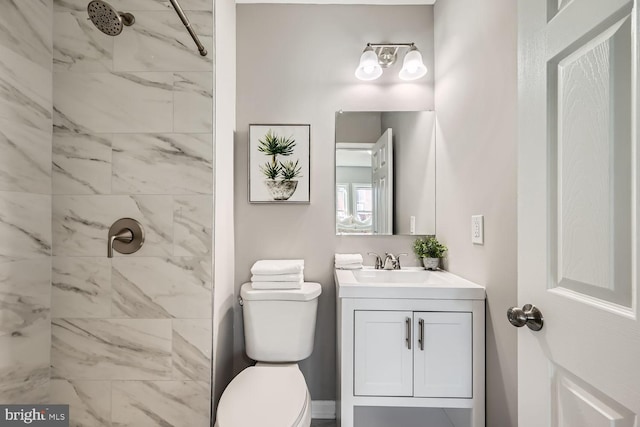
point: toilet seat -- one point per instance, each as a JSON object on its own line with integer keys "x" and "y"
{"x": 266, "y": 395}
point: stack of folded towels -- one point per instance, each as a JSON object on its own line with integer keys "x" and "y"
{"x": 348, "y": 261}
{"x": 277, "y": 274}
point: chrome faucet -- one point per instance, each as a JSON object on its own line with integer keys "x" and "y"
{"x": 378, "y": 264}
{"x": 392, "y": 262}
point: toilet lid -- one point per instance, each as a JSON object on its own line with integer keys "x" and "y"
{"x": 265, "y": 396}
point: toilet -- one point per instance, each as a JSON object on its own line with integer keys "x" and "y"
{"x": 279, "y": 328}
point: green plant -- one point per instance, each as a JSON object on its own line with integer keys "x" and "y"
{"x": 290, "y": 169}
{"x": 274, "y": 146}
{"x": 271, "y": 171}
{"x": 428, "y": 247}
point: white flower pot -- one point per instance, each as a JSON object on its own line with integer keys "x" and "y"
{"x": 431, "y": 263}
{"x": 281, "y": 190}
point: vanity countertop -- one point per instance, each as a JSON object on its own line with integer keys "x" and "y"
{"x": 408, "y": 283}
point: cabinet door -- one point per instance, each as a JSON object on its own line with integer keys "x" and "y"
{"x": 443, "y": 354}
{"x": 383, "y": 358}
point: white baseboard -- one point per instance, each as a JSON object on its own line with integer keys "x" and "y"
{"x": 323, "y": 409}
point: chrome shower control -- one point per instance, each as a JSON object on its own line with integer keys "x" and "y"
{"x": 126, "y": 236}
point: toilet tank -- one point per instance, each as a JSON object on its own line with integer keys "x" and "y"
{"x": 279, "y": 325}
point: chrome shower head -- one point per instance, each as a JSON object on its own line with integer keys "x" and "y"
{"x": 107, "y": 19}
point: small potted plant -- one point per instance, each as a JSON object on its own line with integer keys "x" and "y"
{"x": 430, "y": 250}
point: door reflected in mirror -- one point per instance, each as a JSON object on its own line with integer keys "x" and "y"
{"x": 385, "y": 173}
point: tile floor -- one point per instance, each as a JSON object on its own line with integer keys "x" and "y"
{"x": 323, "y": 423}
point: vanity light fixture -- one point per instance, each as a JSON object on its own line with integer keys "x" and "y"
{"x": 377, "y": 56}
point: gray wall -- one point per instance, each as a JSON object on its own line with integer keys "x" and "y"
{"x": 414, "y": 186}
{"x": 295, "y": 64}
{"x": 475, "y": 45}
{"x": 25, "y": 200}
{"x": 133, "y": 136}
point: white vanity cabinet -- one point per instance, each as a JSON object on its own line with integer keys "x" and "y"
{"x": 408, "y": 343}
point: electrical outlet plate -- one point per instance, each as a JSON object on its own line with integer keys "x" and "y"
{"x": 477, "y": 229}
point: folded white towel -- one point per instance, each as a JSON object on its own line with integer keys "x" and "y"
{"x": 277, "y": 285}
{"x": 349, "y": 267}
{"x": 278, "y": 266}
{"x": 348, "y": 259}
{"x": 298, "y": 277}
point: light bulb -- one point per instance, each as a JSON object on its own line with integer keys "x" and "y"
{"x": 369, "y": 68}
{"x": 412, "y": 67}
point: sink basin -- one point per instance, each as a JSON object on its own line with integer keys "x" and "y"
{"x": 395, "y": 276}
{"x": 413, "y": 283}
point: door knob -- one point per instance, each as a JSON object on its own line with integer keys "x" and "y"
{"x": 528, "y": 315}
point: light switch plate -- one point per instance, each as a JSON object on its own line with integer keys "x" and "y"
{"x": 477, "y": 229}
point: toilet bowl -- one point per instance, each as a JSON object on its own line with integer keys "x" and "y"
{"x": 266, "y": 395}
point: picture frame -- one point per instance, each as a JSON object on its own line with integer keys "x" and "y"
{"x": 279, "y": 163}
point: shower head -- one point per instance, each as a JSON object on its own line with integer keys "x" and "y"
{"x": 107, "y": 19}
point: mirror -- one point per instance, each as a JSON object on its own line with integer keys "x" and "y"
{"x": 385, "y": 173}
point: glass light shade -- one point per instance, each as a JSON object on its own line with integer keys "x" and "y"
{"x": 369, "y": 68}
{"x": 413, "y": 68}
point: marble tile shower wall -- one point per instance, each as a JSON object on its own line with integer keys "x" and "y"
{"x": 133, "y": 137}
{"x": 25, "y": 199}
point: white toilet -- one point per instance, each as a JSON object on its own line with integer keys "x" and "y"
{"x": 279, "y": 328}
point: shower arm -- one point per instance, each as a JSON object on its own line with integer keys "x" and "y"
{"x": 187, "y": 24}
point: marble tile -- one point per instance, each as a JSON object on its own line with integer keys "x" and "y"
{"x": 193, "y": 102}
{"x": 81, "y": 223}
{"x": 25, "y": 28}
{"x": 192, "y": 225}
{"x": 25, "y": 330}
{"x": 81, "y": 163}
{"x": 123, "y": 5}
{"x": 25, "y": 91}
{"x": 25, "y": 226}
{"x": 19, "y": 386}
{"x": 162, "y": 163}
{"x": 25, "y": 158}
{"x": 81, "y": 287}
{"x": 121, "y": 349}
{"x": 160, "y": 403}
{"x": 136, "y": 5}
{"x": 89, "y": 401}
{"x": 192, "y": 349}
{"x": 152, "y": 288}
{"x": 78, "y": 45}
{"x": 113, "y": 102}
{"x": 158, "y": 41}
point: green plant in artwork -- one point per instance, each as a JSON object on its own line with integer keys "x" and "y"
{"x": 270, "y": 170}
{"x": 281, "y": 175}
{"x": 273, "y": 145}
{"x": 290, "y": 170}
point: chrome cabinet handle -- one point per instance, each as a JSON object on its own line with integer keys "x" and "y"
{"x": 528, "y": 315}
{"x": 408, "y": 338}
{"x": 421, "y": 334}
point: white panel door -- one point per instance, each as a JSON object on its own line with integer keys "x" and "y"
{"x": 578, "y": 212}
{"x": 382, "y": 170}
{"x": 443, "y": 355}
{"x": 383, "y": 359}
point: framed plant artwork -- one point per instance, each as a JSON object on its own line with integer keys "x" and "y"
{"x": 279, "y": 157}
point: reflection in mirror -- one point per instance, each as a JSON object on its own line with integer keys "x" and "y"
{"x": 385, "y": 173}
